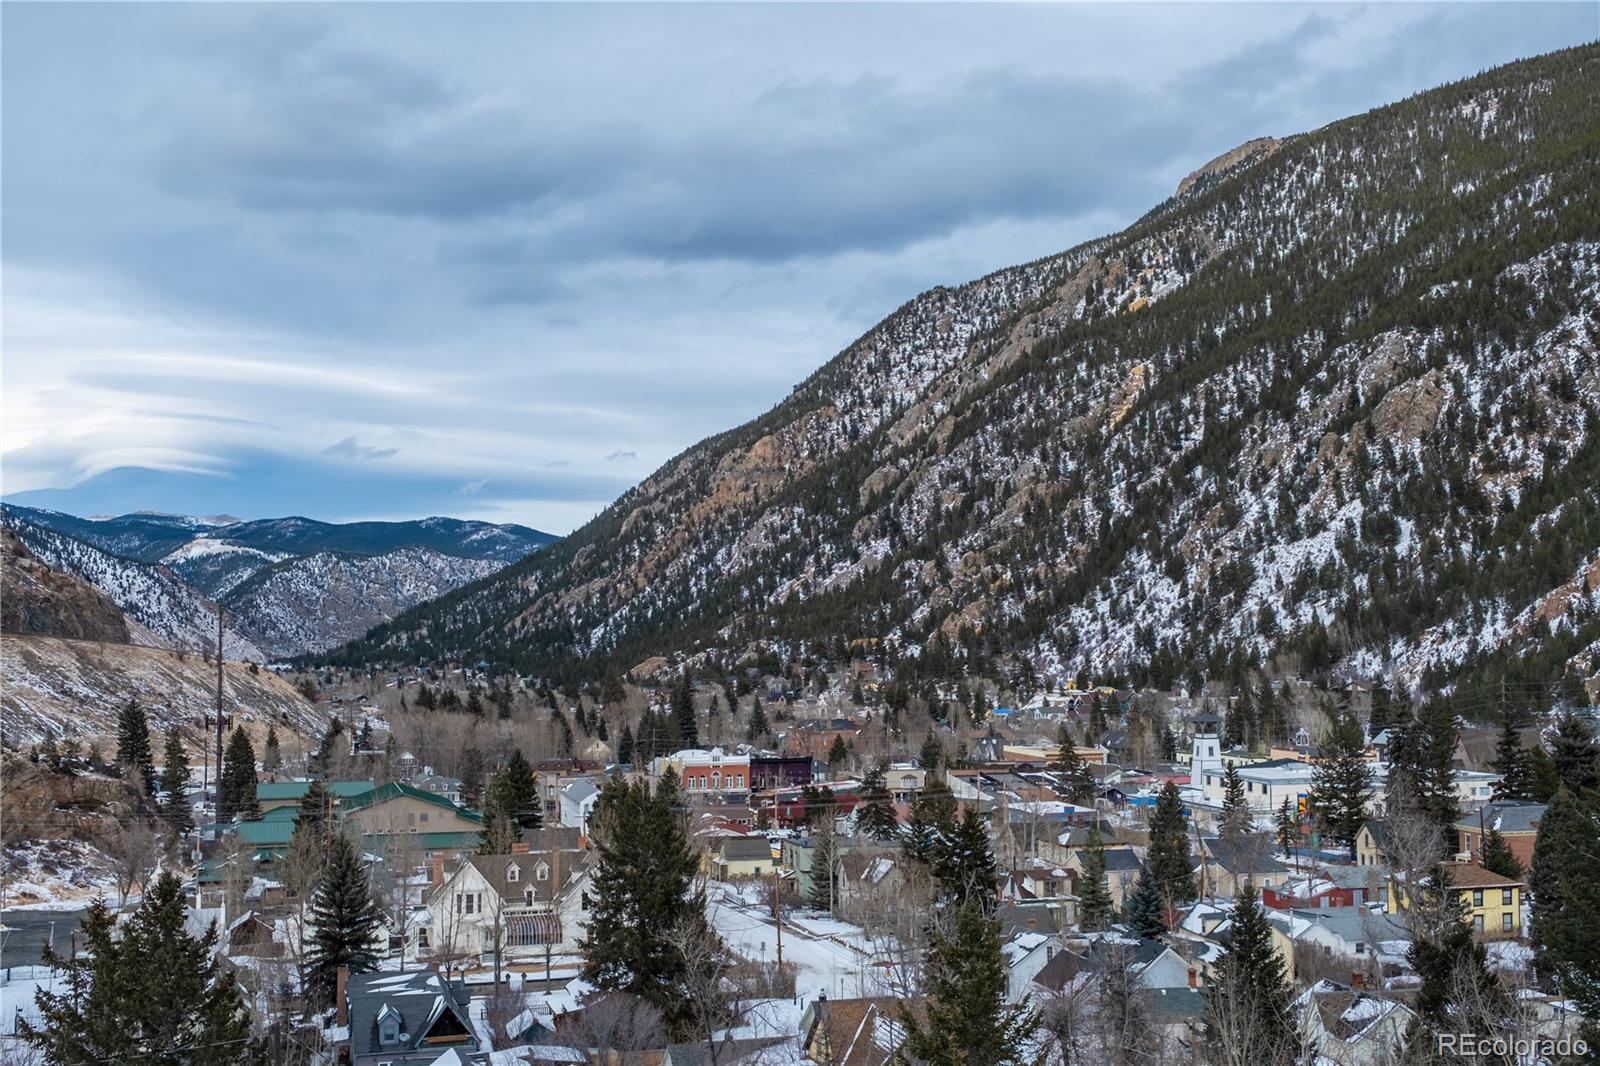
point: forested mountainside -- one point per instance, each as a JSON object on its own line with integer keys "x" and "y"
{"x": 288, "y": 585}
{"x": 1337, "y": 402}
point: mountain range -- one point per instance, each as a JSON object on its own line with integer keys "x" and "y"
{"x": 288, "y": 586}
{"x": 1334, "y": 405}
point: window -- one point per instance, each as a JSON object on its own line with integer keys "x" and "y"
{"x": 1477, "y": 897}
{"x": 1477, "y": 923}
{"x": 1505, "y": 897}
{"x": 527, "y": 895}
{"x": 513, "y": 873}
{"x": 542, "y": 872}
{"x": 1505, "y": 922}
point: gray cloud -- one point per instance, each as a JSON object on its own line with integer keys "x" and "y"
{"x": 349, "y": 449}
{"x": 622, "y": 456}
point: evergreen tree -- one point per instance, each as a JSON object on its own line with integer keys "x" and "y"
{"x": 315, "y": 814}
{"x": 964, "y": 864}
{"x": 237, "y": 792}
{"x": 153, "y": 994}
{"x": 931, "y": 757}
{"x": 271, "y": 756}
{"x": 838, "y": 755}
{"x": 640, "y": 895}
{"x": 1511, "y": 761}
{"x": 364, "y": 736}
{"x": 1341, "y": 783}
{"x": 330, "y": 747}
{"x": 1145, "y": 911}
{"x": 875, "y": 813}
{"x": 1543, "y": 777}
{"x": 824, "y": 869}
{"x": 344, "y": 919}
{"x": 683, "y": 713}
{"x": 1171, "y": 865}
{"x": 1564, "y": 881}
{"x": 1497, "y": 857}
{"x": 499, "y": 832}
{"x": 1457, "y": 988}
{"x": 758, "y": 726}
{"x": 969, "y": 1021}
{"x": 1575, "y": 753}
{"x": 625, "y": 745}
{"x": 1238, "y": 820}
{"x": 1288, "y": 827}
{"x": 1072, "y": 772}
{"x": 133, "y": 748}
{"x": 1382, "y": 715}
{"x": 932, "y": 820}
{"x": 1095, "y": 910}
{"x": 175, "y": 783}
{"x": 475, "y": 702}
{"x": 515, "y": 793}
{"x": 1249, "y": 998}
{"x": 1422, "y": 765}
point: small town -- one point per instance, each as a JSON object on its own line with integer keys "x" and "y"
{"x": 1108, "y": 874}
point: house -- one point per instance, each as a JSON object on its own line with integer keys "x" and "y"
{"x": 1122, "y": 870}
{"x": 253, "y": 936}
{"x": 869, "y": 879}
{"x": 1516, "y": 820}
{"x": 1353, "y": 1027}
{"x": 1152, "y": 963}
{"x": 402, "y": 1018}
{"x": 1225, "y": 866}
{"x": 1371, "y": 840}
{"x": 440, "y": 785}
{"x": 532, "y": 903}
{"x": 1366, "y": 938}
{"x": 779, "y": 771}
{"x": 700, "y": 771}
{"x": 1490, "y": 902}
{"x": 1026, "y": 953}
{"x": 733, "y": 857}
{"x": 577, "y": 802}
{"x": 1036, "y": 882}
{"x": 401, "y": 808}
{"x": 854, "y": 1032}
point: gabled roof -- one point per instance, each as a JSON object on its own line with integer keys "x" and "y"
{"x": 1252, "y": 855}
{"x": 496, "y": 871}
{"x": 744, "y": 849}
{"x": 1507, "y": 816}
{"x": 395, "y": 789}
{"x": 422, "y": 1002}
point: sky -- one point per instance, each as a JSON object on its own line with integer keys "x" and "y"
{"x": 365, "y": 261}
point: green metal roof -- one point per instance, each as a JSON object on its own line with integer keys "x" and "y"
{"x": 293, "y": 790}
{"x": 400, "y": 788}
{"x": 265, "y": 833}
{"x": 287, "y": 814}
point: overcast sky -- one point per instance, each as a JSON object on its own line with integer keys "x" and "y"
{"x": 361, "y": 261}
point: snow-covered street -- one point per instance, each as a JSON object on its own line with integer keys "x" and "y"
{"x": 832, "y": 957}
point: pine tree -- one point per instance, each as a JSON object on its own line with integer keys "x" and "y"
{"x": 1238, "y": 820}
{"x": 625, "y": 745}
{"x": 1288, "y": 827}
{"x": 875, "y": 813}
{"x": 824, "y": 869}
{"x": 964, "y": 864}
{"x": 153, "y": 994}
{"x": 1575, "y": 753}
{"x": 133, "y": 748}
{"x": 968, "y": 1019}
{"x": 499, "y": 833}
{"x": 1382, "y": 714}
{"x": 1249, "y": 998}
{"x": 1072, "y": 772}
{"x": 1543, "y": 777}
{"x": 683, "y": 713}
{"x": 515, "y": 793}
{"x": 1095, "y": 910}
{"x": 1341, "y": 783}
{"x": 330, "y": 747}
{"x": 1564, "y": 881}
{"x": 1511, "y": 761}
{"x": 175, "y": 783}
{"x": 315, "y": 813}
{"x": 1497, "y": 856}
{"x": 1145, "y": 911}
{"x": 1171, "y": 865}
{"x": 640, "y": 895}
{"x": 1422, "y": 765}
{"x": 271, "y": 756}
{"x": 931, "y": 757}
{"x": 344, "y": 920}
{"x": 1457, "y": 988}
{"x": 758, "y": 726}
{"x": 237, "y": 793}
{"x": 932, "y": 820}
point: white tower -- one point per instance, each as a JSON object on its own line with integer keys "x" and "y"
{"x": 1205, "y": 754}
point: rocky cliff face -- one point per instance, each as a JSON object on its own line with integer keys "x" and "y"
{"x": 1336, "y": 404}
{"x": 38, "y": 601}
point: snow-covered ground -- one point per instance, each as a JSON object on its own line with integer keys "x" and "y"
{"x": 831, "y": 956}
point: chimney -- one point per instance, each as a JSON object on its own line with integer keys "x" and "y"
{"x": 438, "y": 870}
{"x": 340, "y": 982}
{"x": 519, "y": 848}
{"x": 1358, "y": 980}
{"x": 1194, "y": 977}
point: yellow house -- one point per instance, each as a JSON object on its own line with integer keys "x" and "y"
{"x": 1492, "y": 903}
{"x": 734, "y": 857}
{"x": 1370, "y": 842}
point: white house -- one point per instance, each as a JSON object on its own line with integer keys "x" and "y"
{"x": 578, "y": 800}
{"x": 1025, "y": 954}
{"x": 532, "y": 901}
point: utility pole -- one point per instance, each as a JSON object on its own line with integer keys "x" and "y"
{"x": 219, "y": 706}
